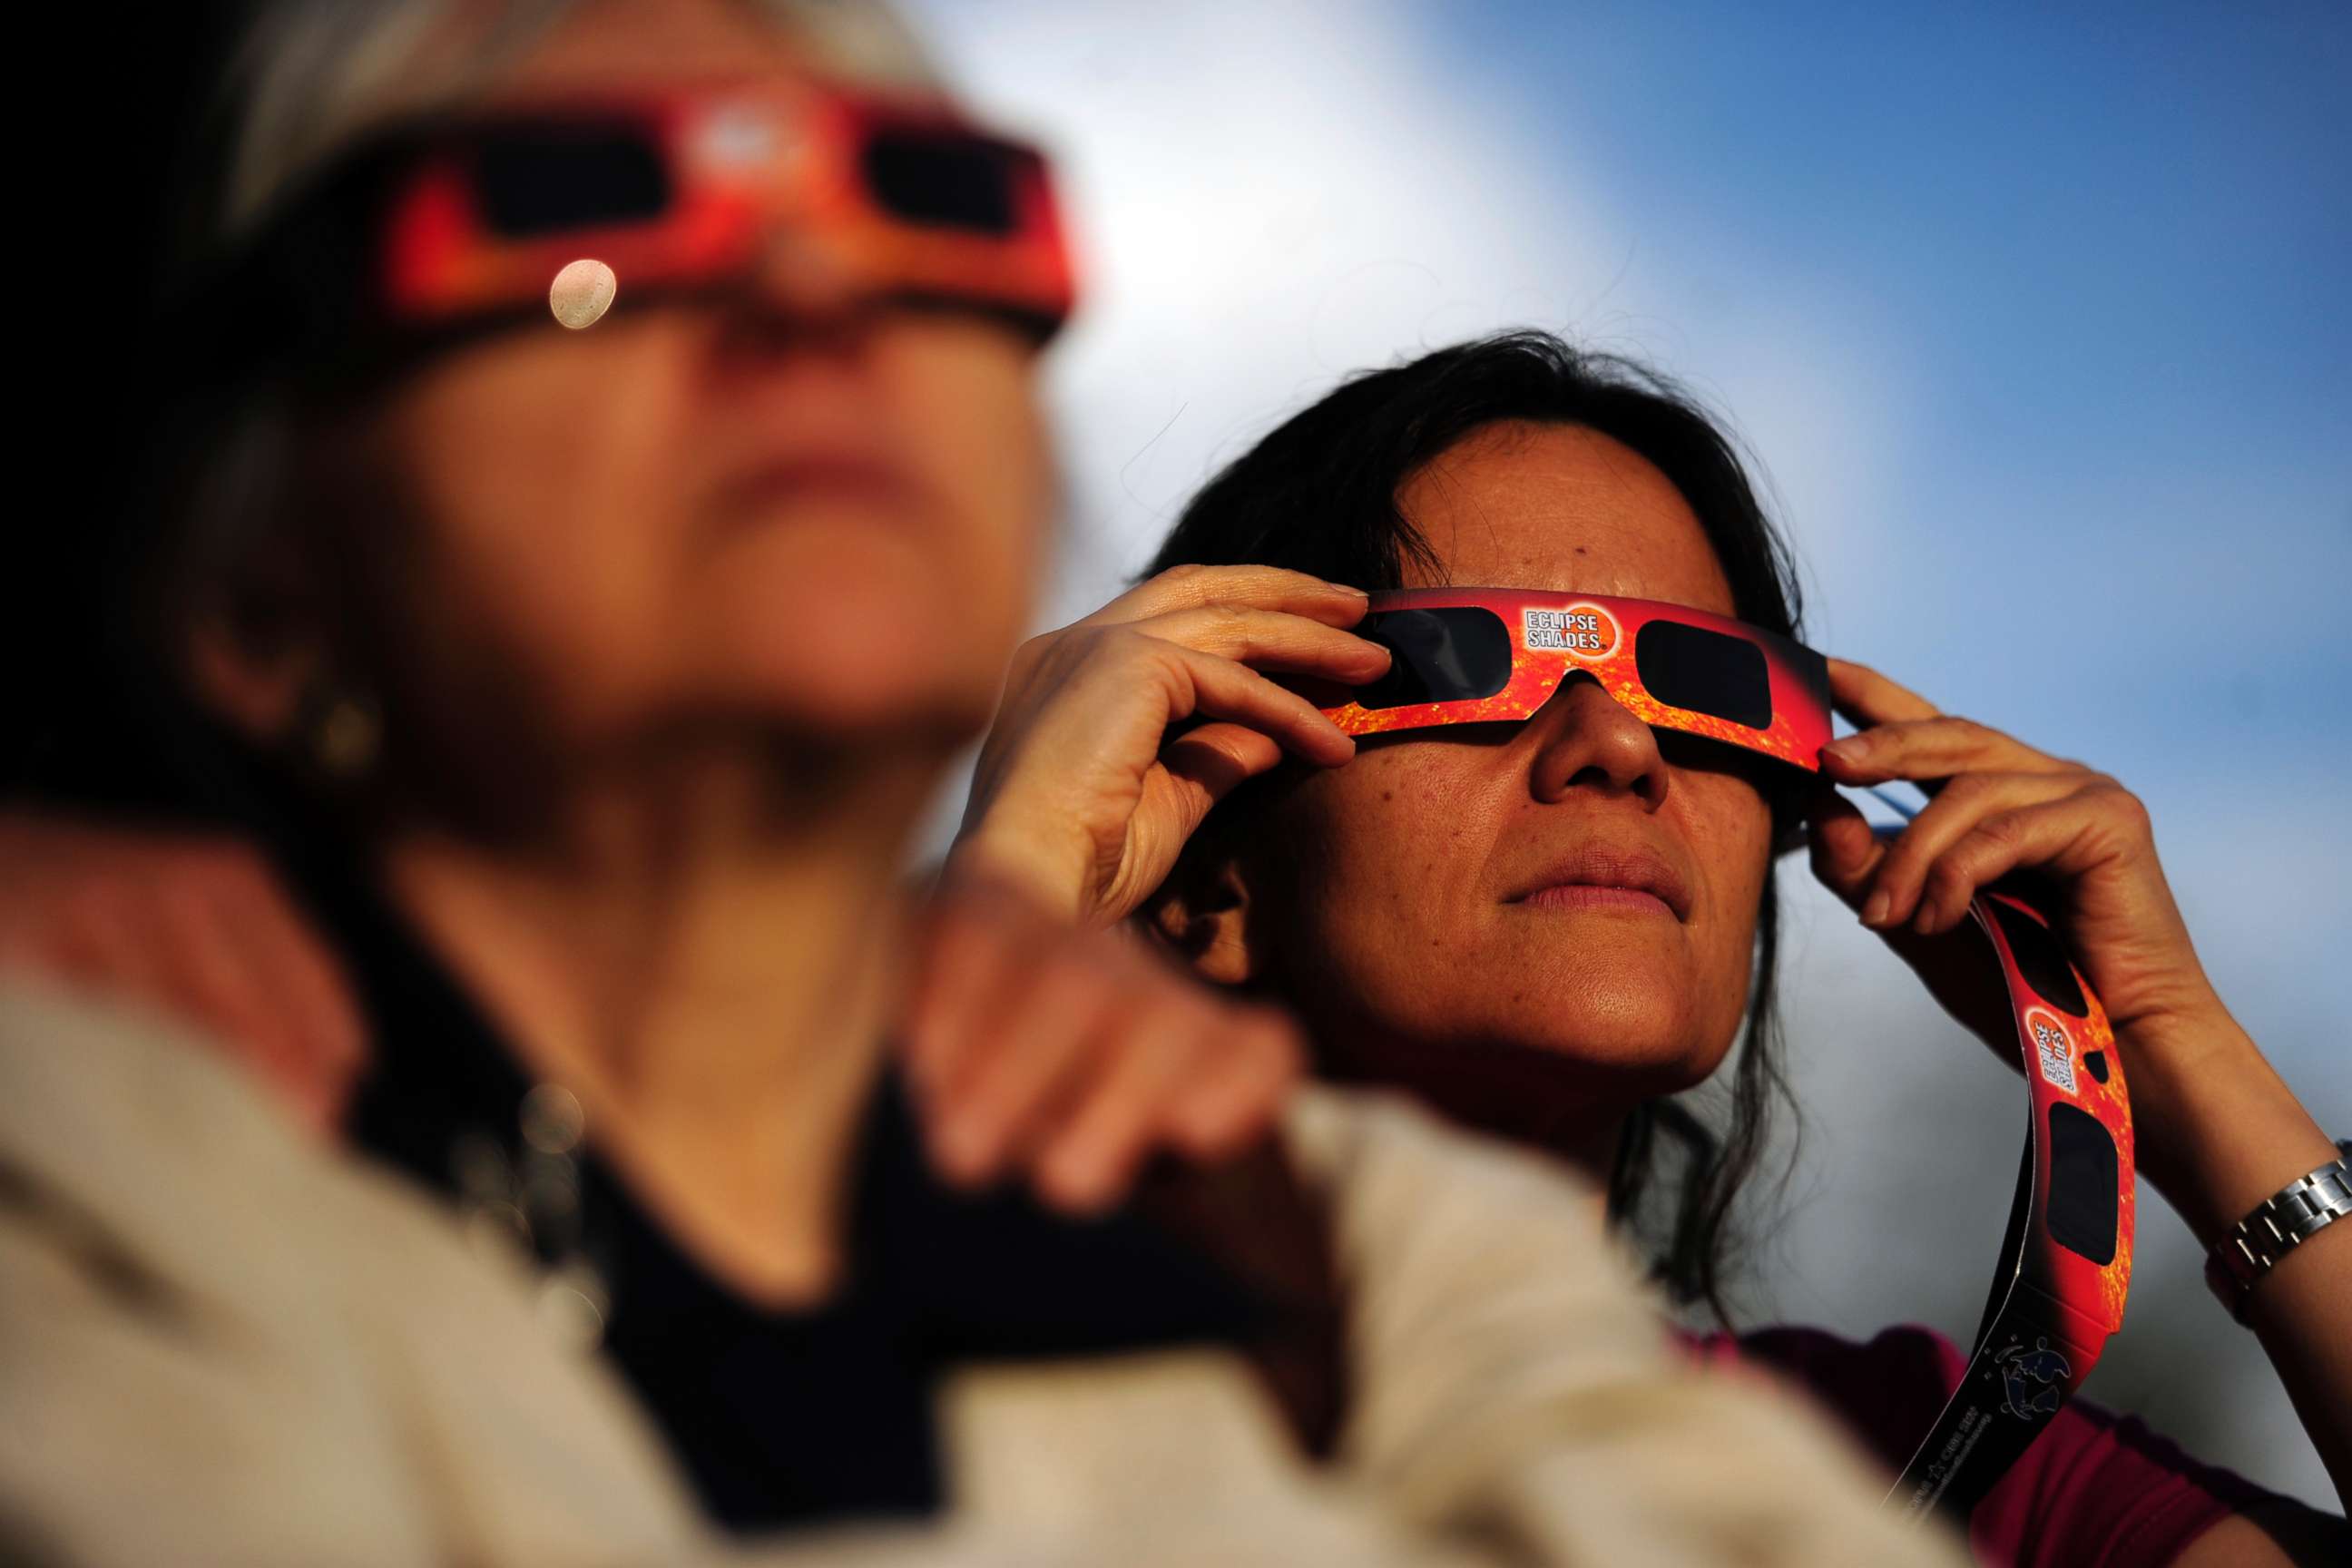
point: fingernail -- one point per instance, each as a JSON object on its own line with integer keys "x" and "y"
{"x": 960, "y": 1150}
{"x": 1350, "y": 588}
{"x": 1846, "y": 749}
{"x": 1874, "y": 910}
{"x": 1078, "y": 1186}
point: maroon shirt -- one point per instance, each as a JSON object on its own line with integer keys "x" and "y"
{"x": 2095, "y": 1490}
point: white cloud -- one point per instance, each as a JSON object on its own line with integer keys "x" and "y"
{"x": 1272, "y": 196}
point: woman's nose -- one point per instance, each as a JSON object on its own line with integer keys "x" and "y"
{"x": 804, "y": 279}
{"x": 1585, "y": 739}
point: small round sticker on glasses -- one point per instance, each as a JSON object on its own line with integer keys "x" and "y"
{"x": 1580, "y": 631}
{"x": 2054, "y": 1050}
{"x": 582, "y": 293}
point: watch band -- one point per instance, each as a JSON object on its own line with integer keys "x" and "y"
{"x": 2280, "y": 1223}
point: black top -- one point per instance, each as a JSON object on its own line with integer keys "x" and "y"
{"x": 777, "y": 1418}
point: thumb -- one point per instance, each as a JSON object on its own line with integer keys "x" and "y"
{"x": 1844, "y": 850}
{"x": 1209, "y": 761}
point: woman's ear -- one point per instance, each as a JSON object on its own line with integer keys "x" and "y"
{"x": 1201, "y": 915}
{"x": 256, "y": 692}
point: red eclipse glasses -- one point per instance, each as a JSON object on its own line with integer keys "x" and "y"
{"x": 691, "y": 190}
{"x": 466, "y": 220}
{"x": 1485, "y": 655}
{"x": 1462, "y": 656}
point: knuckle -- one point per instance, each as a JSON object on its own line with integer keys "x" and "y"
{"x": 1968, "y": 786}
{"x": 1229, "y": 619}
{"x": 2125, "y": 805}
{"x": 1948, "y": 875}
{"x": 2001, "y": 830}
{"x": 1902, "y": 862}
{"x": 1034, "y": 652}
{"x": 1187, "y": 582}
{"x": 1125, "y": 645}
{"x": 88, "y": 910}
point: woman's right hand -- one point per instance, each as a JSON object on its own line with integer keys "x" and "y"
{"x": 1081, "y": 797}
{"x": 193, "y": 926}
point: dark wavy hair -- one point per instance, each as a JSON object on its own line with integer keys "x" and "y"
{"x": 1319, "y": 495}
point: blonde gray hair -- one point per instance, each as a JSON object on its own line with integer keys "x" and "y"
{"x": 308, "y": 78}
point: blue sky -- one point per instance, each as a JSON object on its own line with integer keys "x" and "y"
{"x": 2106, "y": 251}
{"x": 2038, "y": 323}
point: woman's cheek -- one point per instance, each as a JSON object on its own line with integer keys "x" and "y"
{"x": 1730, "y": 829}
{"x": 1396, "y": 871}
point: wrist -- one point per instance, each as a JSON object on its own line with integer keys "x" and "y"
{"x": 2276, "y": 1229}
{"x": 2219, "y": 1130}
{"x": 999, "y": 852}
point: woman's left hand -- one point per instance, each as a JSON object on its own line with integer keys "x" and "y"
{"x": 2217, "y": 1129}
{"x": 1070, "y": 1057}
{"x": 2001, "y": 807}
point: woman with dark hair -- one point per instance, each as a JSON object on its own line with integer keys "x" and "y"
{"x": 1548, "y": 928}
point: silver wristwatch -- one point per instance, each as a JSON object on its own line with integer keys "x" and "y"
{"x": 2280, "y": 1223}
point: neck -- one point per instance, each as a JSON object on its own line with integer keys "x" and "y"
{"x": 704, "y": 951}
{"x": 1538, "y": 1102}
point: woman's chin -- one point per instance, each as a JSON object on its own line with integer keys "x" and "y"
{"x": 1636, "y": 1041}
{"x": 856, "y": 670}
{"x": 1639, "y": 1063}
{"x": 930, "y": 708}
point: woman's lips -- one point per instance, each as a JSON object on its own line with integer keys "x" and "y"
{"x": 819, "y": 477}
{"x": 1591, "y": 896}
{"x": 1603, "y": 877}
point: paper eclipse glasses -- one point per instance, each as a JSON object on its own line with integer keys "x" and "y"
{"x": 466, "y": 220}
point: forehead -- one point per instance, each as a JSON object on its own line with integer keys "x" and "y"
{"x": 1523, "y": 505}
{"x": 634, "y": 43}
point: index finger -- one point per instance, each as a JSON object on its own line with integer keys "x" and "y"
{"x": 1867, "y": 697}
{"x": 1253, "y": 587}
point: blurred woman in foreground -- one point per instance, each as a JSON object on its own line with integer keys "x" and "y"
{"x": 1546, "y": 927}
{"x": 590, "y": 679}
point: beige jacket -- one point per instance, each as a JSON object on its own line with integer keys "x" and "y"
{"x": 220, "y": 1343}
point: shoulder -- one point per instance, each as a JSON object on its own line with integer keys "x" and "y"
{"x": 1429, "y": 1221}
{"x": 1907, "y": 1358}
{"x": 1884, "y": 1391}
{"x": 132, "y": 1123}
{"x": 2094, "y": 1487}
{"x": 279, "y": 1349}
{"x": 1505, "y": 1364}
{"x": 1386, "y": 1165}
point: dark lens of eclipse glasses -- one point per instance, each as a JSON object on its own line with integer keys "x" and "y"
{"x": 1707, "y": 672}
{"x": 2082, "y": 1158}
{"x": 942, "y": 180}
{"x": 545, "y": 180}
{"x": 1438, "y": 656}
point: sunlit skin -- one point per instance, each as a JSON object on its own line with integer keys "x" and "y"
{"x": 1447, "y": 935}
